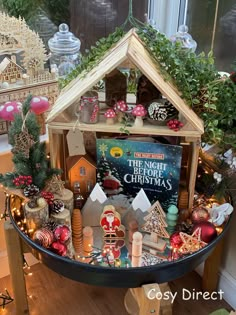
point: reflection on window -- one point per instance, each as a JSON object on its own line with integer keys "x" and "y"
{"x": 82, "y": 171}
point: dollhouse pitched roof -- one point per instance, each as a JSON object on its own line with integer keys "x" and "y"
{"x": 73, "y": 160}
{"x": 6, "y": 62}
{"x": 130, "y": 48}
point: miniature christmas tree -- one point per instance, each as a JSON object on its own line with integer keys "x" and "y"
{"x": 155, "y": 225}
{"x": 29, "y": 154}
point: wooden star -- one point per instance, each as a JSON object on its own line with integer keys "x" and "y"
{"x": 23, "y": 142}
{"x": 55, "y": 185}
{"x": 191, "y": 243}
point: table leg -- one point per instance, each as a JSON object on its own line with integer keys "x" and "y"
{"x": 15, "y": 257}
{"x": 140, "y": 301}
{"x": 211, "y": 269}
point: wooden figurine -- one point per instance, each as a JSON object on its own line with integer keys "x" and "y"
{"x": 77, "y": 230}
{"x": 155, "y": 225}
{"x": 82, "y": 169}
{"x": 137, "y": 249}
{"x": 133, "y": 227}
{"x": 36, "y": 213}
{"x": 87, "y": 240}
{"x": 111, "y": 251}
{"x": 110, "y": 222}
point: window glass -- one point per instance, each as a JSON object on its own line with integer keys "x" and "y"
{"x": 201, "y": 17}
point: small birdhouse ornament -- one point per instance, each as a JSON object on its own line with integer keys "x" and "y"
{"x": 110, "y": 222}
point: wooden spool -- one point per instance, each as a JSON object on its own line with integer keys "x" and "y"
{"x": 67, "y": 197}
{"x": 77, "y": 230}
{"x": 37, "y": 215}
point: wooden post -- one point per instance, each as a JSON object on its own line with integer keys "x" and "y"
{"x": 211, "y": 269}
{"x": 138, "y": 302}
{"x": 15, "y": 256}
{"x": 193, "y": 164}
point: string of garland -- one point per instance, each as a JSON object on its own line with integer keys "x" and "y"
{"x": 6, "y": 299}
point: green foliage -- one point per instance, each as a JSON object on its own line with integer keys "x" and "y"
{"x": 195, "y": 76}
{"x": 36, "y": 164}
{"x": 93, "y": 56}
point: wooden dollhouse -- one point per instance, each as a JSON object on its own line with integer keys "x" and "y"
{"x": 82, "y": 169}
{"x": 129, "y": 51}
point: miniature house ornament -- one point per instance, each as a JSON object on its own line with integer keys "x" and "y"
{"x": 65, "y": 50}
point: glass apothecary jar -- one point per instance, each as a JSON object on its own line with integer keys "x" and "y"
{"x": 65, "y": 51}
{"x": 184, "y": 38}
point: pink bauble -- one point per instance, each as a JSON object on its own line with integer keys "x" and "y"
{"x": 208, "y": 231}
{"x": 9, "y": 109}
{"x": 175, "y": 240}
{"x": 43, "y": 237}
{"x": 39, "y": 104}
{"x": 59, "y": 248}
{"x": 62, "y": 233}
{"x": 199, "y": 215}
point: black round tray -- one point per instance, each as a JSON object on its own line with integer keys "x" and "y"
{"x": 119, "y": 277}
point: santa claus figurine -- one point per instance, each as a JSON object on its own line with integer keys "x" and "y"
{"x": 111, "y": 223}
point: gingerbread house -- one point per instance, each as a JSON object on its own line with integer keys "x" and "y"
{"x": 10, "y": 71}
{"x": 131, "y": 51}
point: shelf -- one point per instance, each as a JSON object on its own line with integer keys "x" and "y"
{"x": 147, "y": 129}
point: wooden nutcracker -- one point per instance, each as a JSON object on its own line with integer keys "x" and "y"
{"x": 137, "y": 249}
{"x": 110, "y": 222}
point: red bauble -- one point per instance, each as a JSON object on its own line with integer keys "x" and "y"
{"x": 62, "y": 233}
{"x": 200, "y": 215}
{"x": 175, "y": 240}
{"x": 208, "y": 231}
{"x": 59, "y": 248}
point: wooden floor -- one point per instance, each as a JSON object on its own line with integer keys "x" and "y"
{"x": 52, "y": 294}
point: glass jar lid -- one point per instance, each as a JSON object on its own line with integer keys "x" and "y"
{"x": 184, "y": 38}
{"x": 64, "y": 42}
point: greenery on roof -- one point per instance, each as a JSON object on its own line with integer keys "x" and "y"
{"x": 195, "y": 76}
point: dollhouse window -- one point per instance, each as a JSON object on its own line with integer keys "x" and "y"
{"x": 82, "y": 171}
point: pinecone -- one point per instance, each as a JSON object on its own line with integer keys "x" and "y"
{"x": 50, "y": 224}
{"x": 31, "y": 190}
{"x": 57, "y": 206}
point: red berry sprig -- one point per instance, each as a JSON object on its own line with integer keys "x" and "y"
{"x": 175, "y": 124}
{"x": 22, "y": 180}
{"x": 48, "y": 196}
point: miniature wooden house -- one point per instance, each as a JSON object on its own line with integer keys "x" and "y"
{"x": 129, "y": 50}
{"x": 82, "y": 169}
{"x": 10, "y": 71}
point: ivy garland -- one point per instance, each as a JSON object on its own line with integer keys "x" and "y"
{"x": 195, "y": 76}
